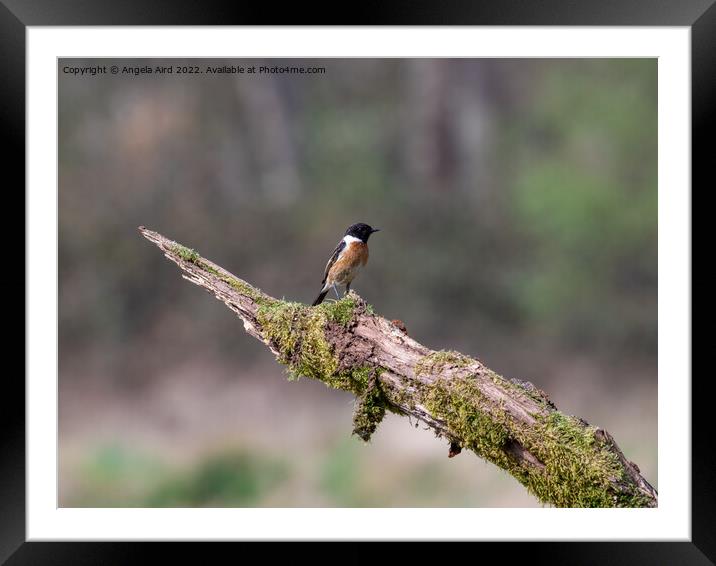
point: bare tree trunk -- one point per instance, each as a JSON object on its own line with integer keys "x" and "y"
{"x": 561, "y": 459}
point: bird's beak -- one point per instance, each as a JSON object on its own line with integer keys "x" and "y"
{"x": 375, "y": 230}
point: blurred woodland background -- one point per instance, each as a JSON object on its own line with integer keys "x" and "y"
{"x": 518, "y": 207}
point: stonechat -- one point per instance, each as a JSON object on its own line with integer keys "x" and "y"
{"x": 350, "y": 255}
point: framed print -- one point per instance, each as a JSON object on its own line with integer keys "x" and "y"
{"x": 516, "y": 352}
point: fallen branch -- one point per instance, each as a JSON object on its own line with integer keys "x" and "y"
{"x": 561, "y": 459}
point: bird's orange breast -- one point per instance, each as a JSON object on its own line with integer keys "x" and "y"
{"x": 352, "y": 258}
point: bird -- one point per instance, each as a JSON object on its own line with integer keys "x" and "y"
{"x": 350, "y": 255}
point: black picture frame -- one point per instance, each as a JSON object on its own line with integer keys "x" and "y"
{"x": 17, "y": 15}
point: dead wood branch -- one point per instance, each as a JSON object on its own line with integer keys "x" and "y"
{"x": 561, "y": 459}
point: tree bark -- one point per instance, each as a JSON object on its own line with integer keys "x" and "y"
{"x": 559, "y": 458}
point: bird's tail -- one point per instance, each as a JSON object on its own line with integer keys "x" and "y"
{"x": 320, "y": 298}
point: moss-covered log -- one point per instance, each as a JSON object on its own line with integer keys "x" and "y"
{"x": 559, "y": 458}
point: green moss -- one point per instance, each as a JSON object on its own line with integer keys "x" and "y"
{"x": 432, "y": 363}
{"x": 277, "y": 320}
{"x": 369, "y": 412}
{"x": 209, "y": 268}
{"x": 191, "y": 256}
{"x": 298, "y": 332}
{"x": 187, "y": 254}
{"x": 355, "y": 380}
{"x": 396, "y": 397}
{"x": 241, "y": 286}
{"x": 469, "y": 417}
{"x": 341, "y": 312}
{"x": 361, "y": 376}
{"x": 579, "y": 470}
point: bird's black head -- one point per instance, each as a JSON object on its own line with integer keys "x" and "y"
{"x": 361, "y": 231}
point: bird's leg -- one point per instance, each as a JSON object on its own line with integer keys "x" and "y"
{"x": 335, "y": 290}
{"x": 348, "y": 288}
